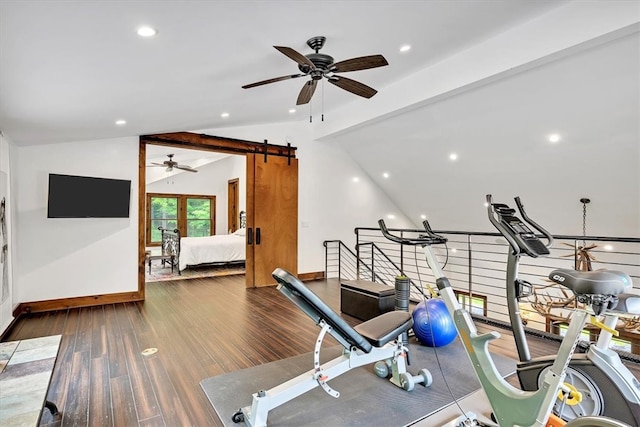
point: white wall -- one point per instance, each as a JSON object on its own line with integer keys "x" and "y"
{"x": 64, "y": 258}
{"x": 211, "y": 180}
{"x": 6, "y": 267}
{"x": 330, "y": 203}
{"x": 56, "y": 258}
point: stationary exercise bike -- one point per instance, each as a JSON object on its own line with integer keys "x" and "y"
{"x": 603, "y": 384}
{"x": 512, "y": 406}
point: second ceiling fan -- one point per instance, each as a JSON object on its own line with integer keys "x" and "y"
{"x": 171, "y": 164}
{"x": 318, "y": 65}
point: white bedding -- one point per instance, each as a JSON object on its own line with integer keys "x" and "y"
{"x": 219, "y": 248}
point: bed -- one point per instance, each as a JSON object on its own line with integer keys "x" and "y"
{"x": 218, "y": 249}
{"x": 209, "y": 250}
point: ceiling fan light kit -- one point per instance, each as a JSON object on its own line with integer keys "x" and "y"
{"x": 318, "y": 65}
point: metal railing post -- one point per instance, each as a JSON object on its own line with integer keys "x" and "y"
{"x": 470, "y": 268}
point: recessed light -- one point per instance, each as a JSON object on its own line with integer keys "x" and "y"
{"x": 385, "y": 174}
{"x": 121, "y": 122}
{"x": 453, "y": 156}
{"x": 454, "y": 250}
{"x": 554, "y": 137}
{"x": 423, "y": 216}
{"x": 391, "y": 216}
{"x": 608, "y": 247}
{"x": 486, "y": 205}
{"x": 147, "y": 31}
{"x": 291, "y": 111}
{"x": 405, "y": 48}
{"x": 224, "y": 115}
{"x": 355, "y": 179}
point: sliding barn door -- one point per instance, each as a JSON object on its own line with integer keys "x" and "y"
{"x": 272, "y": 217}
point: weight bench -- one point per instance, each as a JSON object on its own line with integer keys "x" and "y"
{"x": 378, "y": 341}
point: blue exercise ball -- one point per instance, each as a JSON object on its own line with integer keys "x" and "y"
{"x": 432, "y": 323}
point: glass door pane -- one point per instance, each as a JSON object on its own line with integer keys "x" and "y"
{"x": 164, "y": 213}
{"x": 198, "y": 217}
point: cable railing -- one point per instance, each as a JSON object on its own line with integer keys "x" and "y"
{"x": 476, "y": 262}
{"x": 342, "y": 263}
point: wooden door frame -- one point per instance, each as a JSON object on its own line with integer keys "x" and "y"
{"x": 198, "y": 142}
{"x": 233, "y": 213}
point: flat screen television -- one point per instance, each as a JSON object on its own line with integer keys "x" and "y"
{"x": 88, "y": 197}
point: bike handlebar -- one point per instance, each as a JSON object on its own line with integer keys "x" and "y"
{"x": 548, "y": 237}
{"x": 499, "y": 226}
{"x": 521, "y": 240}
{"x": 428, "y": 239}
{"x": 517, "y": 242}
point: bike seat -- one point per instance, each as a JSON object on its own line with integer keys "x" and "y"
{"x": 599, "y": 282}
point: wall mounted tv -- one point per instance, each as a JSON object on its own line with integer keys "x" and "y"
{"x": 88, "y": 197}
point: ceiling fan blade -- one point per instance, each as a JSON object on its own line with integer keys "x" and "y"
{"x": 296, "y": 56}
{"x": 277, "y": 79}
{"x": 156, "y": 164}
{"x": 361, "y": 63}
{"x": 353, "y": 86}
{"x": 185, "y": 168}
{"x": 307, "y": 92}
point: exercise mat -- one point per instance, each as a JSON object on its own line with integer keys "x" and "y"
{"x": 365, "y": 399}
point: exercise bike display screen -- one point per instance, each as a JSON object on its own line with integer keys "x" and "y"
{"x": 526, "y": 239}
{"x": 519, "y": 227}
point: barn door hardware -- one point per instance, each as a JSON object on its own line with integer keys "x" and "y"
{"x": 264, "y": 150}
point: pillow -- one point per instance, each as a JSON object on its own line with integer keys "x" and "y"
{"x": 240, "y": 232}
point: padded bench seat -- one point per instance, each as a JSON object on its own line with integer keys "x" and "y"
{"x": 382, "y": 329}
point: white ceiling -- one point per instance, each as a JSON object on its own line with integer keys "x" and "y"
{"x": 500, "y": 130}
{"x": 195, "y": 158}
{"x": 69, "y": 68}
{"x": 488, "y": 79}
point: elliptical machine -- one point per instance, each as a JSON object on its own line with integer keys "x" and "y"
{"x": 603, "y": 384}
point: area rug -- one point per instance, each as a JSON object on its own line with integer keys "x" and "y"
{"x": 159, "y": 273}
{"x": 365, "y": 399}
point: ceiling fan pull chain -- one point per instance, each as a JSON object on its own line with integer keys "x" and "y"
{"x": 322, "y": 114}
{"x": 310, "y": 114}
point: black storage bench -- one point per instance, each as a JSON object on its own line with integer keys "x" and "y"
{"x": 365, "y": 300}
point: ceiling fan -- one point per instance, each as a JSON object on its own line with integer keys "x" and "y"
{"x": 318, "y": 65}
{"x": 170, "y": 164}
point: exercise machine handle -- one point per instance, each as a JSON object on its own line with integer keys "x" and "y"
{"x": 501, "y": 229}
{"x": 548, "y": 237}
{"x": 518, "y": 235}
{"x": 428, "y": 239}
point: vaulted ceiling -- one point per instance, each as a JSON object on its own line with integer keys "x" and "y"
{"x": 486, "y": 80}
{"x": 70, "y": 68}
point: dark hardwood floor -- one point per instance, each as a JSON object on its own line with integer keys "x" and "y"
{"x": 200, "y": 327}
